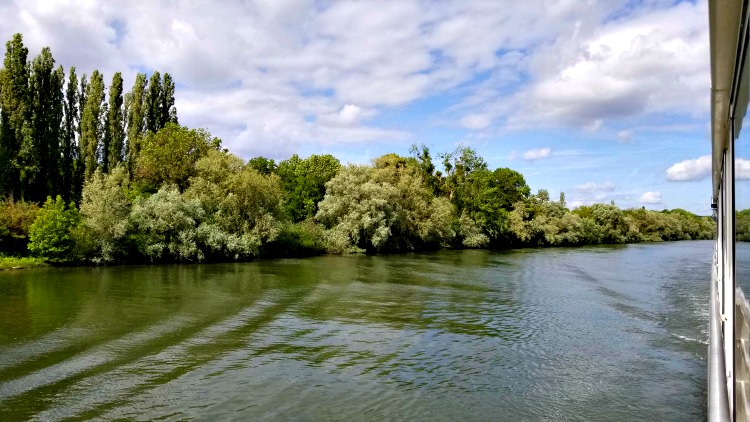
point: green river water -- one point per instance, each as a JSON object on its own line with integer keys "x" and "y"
{"x": 593, "y": 333}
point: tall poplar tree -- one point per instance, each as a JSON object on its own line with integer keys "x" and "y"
{"x": 92, "y": 125}
{"x": 115, "y": 129}
{"x": 71, "y": 183}
{"x": 15, "y": 110}
{"x": 167, "y": 108}
{"x": 39, "y": 157}
{"x": 153, "y": 103}
{"x": 136, "y": 117}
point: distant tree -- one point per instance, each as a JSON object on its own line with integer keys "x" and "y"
{"x": 165, "y": 226}
{"x": 381, "y": 209}
{"x": 39, "y": 157}
{"x": 153, "y": 103}
{"x": 92, "y": 125}
{"x": 262, "y": 165}
{"x": 136, "y": 125}
{"x": 105, "y": 209}
{"x": 169, "y": 156}
{"x": 114, "y": 137}
{"x": 51, "y": 234}
{"x": 16, "y": 218}
{"x": 71, "y": 184}
{"x": 304, "y": 181}
{"x": 15, "y": 113}
{"x": 168, "y": 113}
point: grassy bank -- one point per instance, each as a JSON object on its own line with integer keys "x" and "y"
{"x": 15, "y": 263}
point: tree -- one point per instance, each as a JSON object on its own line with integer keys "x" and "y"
{"x": 152, "y": 103}
{"x": 304, "y": 181}
{"x": 168, "y": 113}
{"x": 380, "y": 209}
{"x": 16, "y": 218}
{"x": 39, "y": 156}
{"x": 243, "y": 207}
{"x": 136, "y": 120}
{"x": 165, "y": 226}
{"x": 169, "y": 156}
{"x": 15, "y": 111}
{"x": 51, "y": 234}
{"x": 92, "y": 127}
{"x": 511, "y": 187}
{"x": 70, "y": 183}
{"x": 114, "y": 137}
{"x": 105, "y": 209}
{"x": 262, "y": 165}
{"x": 422, "y": 157}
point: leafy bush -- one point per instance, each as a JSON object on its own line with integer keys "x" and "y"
{"x": 165, "y": 226}
{"x": 16, "y": 218}
{"x": 50, "y": 236}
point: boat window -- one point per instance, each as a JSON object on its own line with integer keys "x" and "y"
{"x": 742, "y": 183}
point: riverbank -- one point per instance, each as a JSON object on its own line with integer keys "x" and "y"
{"x": 20, "y": 263}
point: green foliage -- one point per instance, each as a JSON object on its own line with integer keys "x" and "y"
{"x": 368, "y": 209}
{"x": 244, "y": 208}
{"x": 169, "y": 156}
{"x": 298, "y": 239}
{"x": 262, "y": 165}
{"x": 165, "y": 226}
{"x": 16, "y": 218}
{"x": 742, "y": 225}
{"x": 105, "y": 209}
{"x": 70, "y": 182}
{"x": 92, "y": 127}
{"x": 15, "y": 113}
{"x": 114, "y": 135}
{"x": 136, "y": 125}
{"x": 50, "y": 236}
{"x": 304, "y": 181}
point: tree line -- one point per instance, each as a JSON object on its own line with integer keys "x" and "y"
{"x": 55, "y": 134}
{"x": 89, "y": 177}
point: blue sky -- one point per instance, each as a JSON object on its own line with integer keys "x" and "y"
{"x": 602, "y": 100}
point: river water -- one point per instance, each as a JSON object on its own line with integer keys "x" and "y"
{"x": 595, "y": 333}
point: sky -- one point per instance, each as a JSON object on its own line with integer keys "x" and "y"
{"x": 602, "y": 100}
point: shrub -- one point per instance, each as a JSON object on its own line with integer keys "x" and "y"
{"x": 50, "y": 236}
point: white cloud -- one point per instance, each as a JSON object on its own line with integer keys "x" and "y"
{"x": 742, "y": 169}
{"x": 291, "y": 72}
{"x": 624, "y": 136}
{"x": 348, "y": 116}
{"x": 650, "y": 198}
{"x": 476, "y": 121}
{"x": 592, "y": 193}
{"x": 595, "y": 187}
{"x": 642, "y": 63}
{"x": 537, "y": 154}
{"x": 690, "y": 170}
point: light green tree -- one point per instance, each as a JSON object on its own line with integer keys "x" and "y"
{"x": 50, "y": 236}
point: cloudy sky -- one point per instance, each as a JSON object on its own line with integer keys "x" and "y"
{"x": 603, "y": 100}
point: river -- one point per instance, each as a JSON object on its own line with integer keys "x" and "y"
{"x": 594, "y": 333}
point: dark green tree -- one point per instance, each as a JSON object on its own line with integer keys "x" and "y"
{"x": 15, "y": 112}
{"x": 304, "y": 181}
{"x": 168, "y": 112}
{"x": 114, "y": 135}
{"x": 39, "y": 158}
{"x": 136, "y": 119}
{"x": 152, "y": 101}
{"x": 262, "y": 165}
{"x": 71, "y": 186}
{"x": 92, "y": 127}
{"x": 169, "y": 156}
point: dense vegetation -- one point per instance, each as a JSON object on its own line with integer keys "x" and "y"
{"x": 89, "y": 177}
